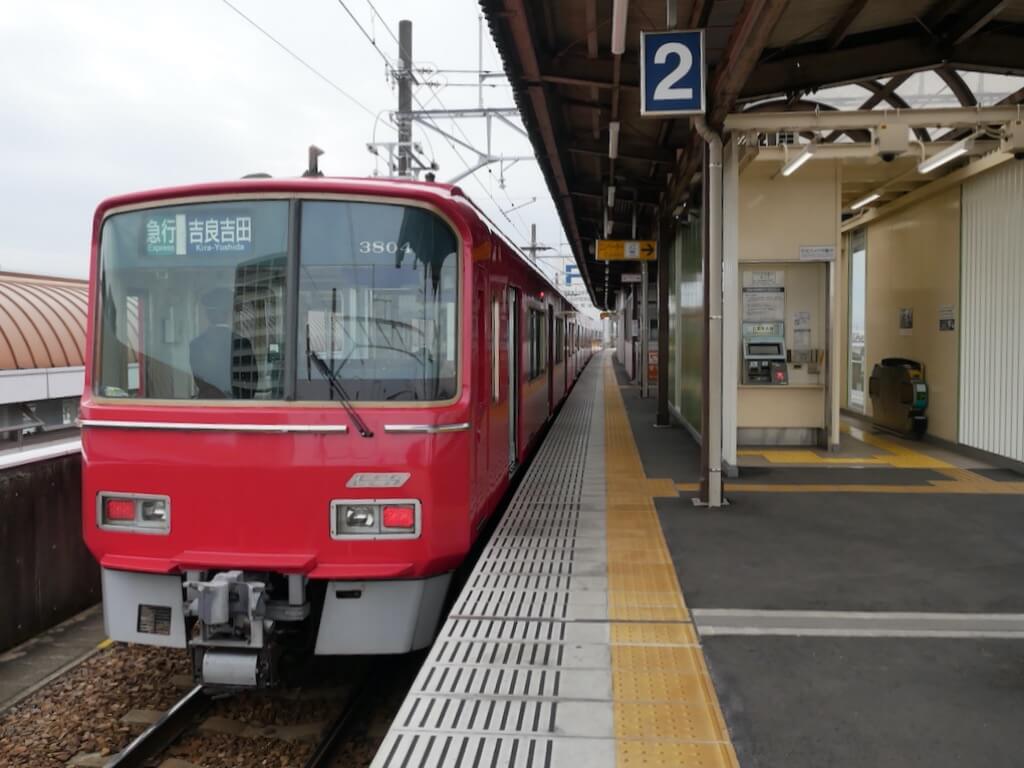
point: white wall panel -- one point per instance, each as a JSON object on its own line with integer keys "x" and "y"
{"x": 992, "y": 312}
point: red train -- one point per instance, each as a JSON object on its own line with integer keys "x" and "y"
{"x": 304, "y": 400}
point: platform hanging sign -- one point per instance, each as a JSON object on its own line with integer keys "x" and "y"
{"x": 627, "y": 250}
{"x": 673, "y": 73}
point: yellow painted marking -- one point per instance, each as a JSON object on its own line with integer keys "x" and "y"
{"x": 665, "y": 707}
{"x": 983, "y": 487}
{"x": 104, "y": 644}
{"x": 897, "y": 455}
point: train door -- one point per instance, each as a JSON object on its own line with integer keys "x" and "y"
{"x": 514, "y": 354}
{"x": 566, "y": 354}
{"x": 549, "y": 352}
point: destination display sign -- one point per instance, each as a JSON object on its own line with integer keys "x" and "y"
{"x": 191, "y": 235}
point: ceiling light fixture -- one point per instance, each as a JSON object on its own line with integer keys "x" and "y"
{"x": 947, "y": 155}
{"x": 613, "y": 139}
{"x": 791, "y": 166}
{"x": 858, "y": 204}
{"x": 620, "y": 9}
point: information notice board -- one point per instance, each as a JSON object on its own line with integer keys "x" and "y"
{"x": 764, "y": 296}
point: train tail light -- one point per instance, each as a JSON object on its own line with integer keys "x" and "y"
{"x": 401, "y": 517}
{"x": 375, "y": 518}
{"x": 119, "y": 511}
{"x": 134, "y": 512}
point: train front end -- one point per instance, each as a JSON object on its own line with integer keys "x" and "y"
{"x": 274, "y": 420}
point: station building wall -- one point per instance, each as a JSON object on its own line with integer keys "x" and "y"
{"x": 776, "y": 217}
{"x": 955, "y": 253}
{"x": 913, "y": 262}
{"x": 686, "y": 324}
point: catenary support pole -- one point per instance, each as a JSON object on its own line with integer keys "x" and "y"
{"x": 404, "y": 97}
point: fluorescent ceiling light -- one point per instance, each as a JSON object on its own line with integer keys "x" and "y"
{"x": 947, "y": 155}
{"x": 611, "y": 196}
{"x": 791, "y": 165}
{"x": 613, "y": 140}
{"x": 619, "y": 10}
{"x": 864, "y": 201}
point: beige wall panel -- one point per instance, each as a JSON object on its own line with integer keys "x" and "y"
{"x": 780, "y": 406}
{"x": 778, "y": 215}
{"x": 914, "y": 261}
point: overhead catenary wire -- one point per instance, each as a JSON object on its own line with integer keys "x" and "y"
{"x": 434, "y": 96}
{"x": 302, "y": 61}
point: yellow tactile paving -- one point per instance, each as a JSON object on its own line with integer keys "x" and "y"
{"x": 679, "y": 720}
{"x": 625, "y": 633}
{"x": 634, "y": 754}
{"x": 665, "y": 708}
{"x": 652, "y": 686}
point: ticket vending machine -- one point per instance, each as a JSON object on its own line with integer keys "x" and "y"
{"x": 764, "y": 353}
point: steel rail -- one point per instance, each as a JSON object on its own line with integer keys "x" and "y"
{"x": 341, "y": 725}
{"x": 175, "y": 722}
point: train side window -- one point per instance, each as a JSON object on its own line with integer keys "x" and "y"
{"x": 536, "y": 343}
{"x": 559, "y": 340}
{"x": 495, "y": 349}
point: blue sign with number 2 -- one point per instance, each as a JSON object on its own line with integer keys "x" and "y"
{"x": 672, "y": 73}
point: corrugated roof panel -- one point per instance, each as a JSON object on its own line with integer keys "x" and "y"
{"x": 42, "y": 321}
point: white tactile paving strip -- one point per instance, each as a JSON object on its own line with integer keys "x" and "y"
{"x": 520, "y": 675}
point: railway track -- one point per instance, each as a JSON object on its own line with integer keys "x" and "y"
{"x": 165, "y": 732}
{"x": 185, "y": 719}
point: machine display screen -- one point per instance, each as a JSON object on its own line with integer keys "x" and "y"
{"x": 764, "y": 349}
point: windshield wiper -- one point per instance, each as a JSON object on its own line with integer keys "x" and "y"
{"x": 343, "y": 398}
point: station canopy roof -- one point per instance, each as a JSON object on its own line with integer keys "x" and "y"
{"x": 771, "y": 55}
{"x": 42, "y": 321}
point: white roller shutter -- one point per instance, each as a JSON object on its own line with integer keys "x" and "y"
{"x": 992, "y": 312}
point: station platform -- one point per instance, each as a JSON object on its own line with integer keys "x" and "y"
{"x": 865, "y": 611}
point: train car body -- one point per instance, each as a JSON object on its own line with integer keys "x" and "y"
{"x": 304, "y": 400}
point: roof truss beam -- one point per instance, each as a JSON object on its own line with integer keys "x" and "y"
{"x": 865, "y": 57}
{"x": 842, "y": 26}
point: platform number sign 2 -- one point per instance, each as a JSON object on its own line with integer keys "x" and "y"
{"x": 672, "y": 73}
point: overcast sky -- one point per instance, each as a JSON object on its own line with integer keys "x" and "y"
{"x": 110, "y": 96}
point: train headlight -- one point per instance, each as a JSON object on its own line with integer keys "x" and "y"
{"x": 153, "y": 510}
{"x": 362, "y": 517}
{"x": 133, "y": 512}
{"x": 379, "y": 518}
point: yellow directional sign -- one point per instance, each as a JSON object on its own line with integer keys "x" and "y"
{"x": 627, "y": 250}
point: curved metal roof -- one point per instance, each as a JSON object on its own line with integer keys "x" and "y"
{"x": 42, "y": 321}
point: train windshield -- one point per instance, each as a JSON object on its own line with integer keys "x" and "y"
{"x": 194, "y": 302}
{"x": 377, "y": 298}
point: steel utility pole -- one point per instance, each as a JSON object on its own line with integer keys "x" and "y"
{"x": 405, "y": 98}
{"x": 533, "y": 248}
